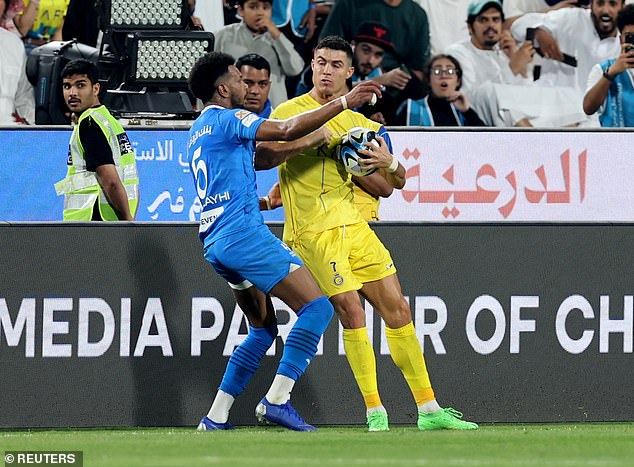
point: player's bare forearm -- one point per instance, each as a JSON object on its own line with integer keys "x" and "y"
{"x": 396, "y": 178}
{"x": 376, "y": 184}
{"x": 112, "y": 187}
{"x": 271, "y": 154}
{"x": 304, "y": 123}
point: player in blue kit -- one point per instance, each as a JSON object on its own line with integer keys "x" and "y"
{"x": 238, "y": 244}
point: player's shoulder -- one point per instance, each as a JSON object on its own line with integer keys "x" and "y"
{"x": 293, "y": 106}
{"x": 361, "y": 120}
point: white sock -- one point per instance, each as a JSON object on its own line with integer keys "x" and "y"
{"x": 280, "y": 390}
{"x": 219, "y": 411}
{"x": 430, "y": 406}
{"x": 371, "y": 410}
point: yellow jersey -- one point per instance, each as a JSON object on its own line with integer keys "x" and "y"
{"x": 367, "y": 204}
{"x": 317, "y": 192}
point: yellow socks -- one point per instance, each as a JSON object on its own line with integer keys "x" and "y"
{"x": 363, "y": 364}
{"x": 408, "y": 356}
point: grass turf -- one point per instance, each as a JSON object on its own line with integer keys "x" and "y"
{"x": 587, "y": 444}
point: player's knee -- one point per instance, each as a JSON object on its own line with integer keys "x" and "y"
{"x": 325, "y": 308}
{"x": 320, "y": 309}
{"x": 403, "y": 308}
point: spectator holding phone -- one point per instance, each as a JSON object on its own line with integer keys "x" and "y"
{"x": 572, "y": 41}
{"x": 610, "y": 84}
{"x": 513, "y": 9}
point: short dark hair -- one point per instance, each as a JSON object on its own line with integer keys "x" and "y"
{"x": 81, "y": 66}
{"x": 625, "y": 16}
{"x": 335, "y": 43}
{"x": 240, "y": 3}
{"x": 205, "y": 74}
{"x": 456, "y": 64}
{"x": 254, "y": 60}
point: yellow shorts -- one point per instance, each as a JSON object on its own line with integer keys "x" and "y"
{"x": 344, "y": 258}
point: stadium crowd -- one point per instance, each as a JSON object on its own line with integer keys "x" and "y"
{"x": 504, "y": 62}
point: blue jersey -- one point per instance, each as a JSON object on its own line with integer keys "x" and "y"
{"x": 221, "y": 152}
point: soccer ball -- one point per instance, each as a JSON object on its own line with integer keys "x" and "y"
{"x": 347, "y": 151}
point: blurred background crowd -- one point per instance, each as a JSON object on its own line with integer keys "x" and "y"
{"x": 527, "y": 63}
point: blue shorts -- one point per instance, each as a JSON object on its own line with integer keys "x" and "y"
{"x": 256, "y": 256}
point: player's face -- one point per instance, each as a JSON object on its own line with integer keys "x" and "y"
{"x": 331, "y": 69}
{"x": 603, "y": 13}
{"x": 254, "y": 12}
{"x": 258, "y": 87}
{"x": 486, "y": 29}
{"x": 443, "y": 78}
{"x": 236, "y": 86}
{"x": 367, "y": 57}
{"x": 79, "y": 93}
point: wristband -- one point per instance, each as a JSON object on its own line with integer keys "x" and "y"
{"x": 311, "y": 6}
{"x": 267, "y": 201}
{"x": 344, "y": 102}
{"x": 393, "y": 166}
{"x": 607, "y": 76}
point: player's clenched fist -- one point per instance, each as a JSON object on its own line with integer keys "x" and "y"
{"x": 363, "y": 93}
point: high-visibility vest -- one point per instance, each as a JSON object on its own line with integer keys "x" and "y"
{"x": 81, "y": 188}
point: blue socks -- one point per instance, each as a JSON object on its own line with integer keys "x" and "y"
{"x": 301, "y": 345}
{"x": 299, "y": 349}
{"x": 246, "y": 359}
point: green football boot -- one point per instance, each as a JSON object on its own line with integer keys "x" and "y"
{"x": 377, "y": 421}
{"x": 444, "y": 419}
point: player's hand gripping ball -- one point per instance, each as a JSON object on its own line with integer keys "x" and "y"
{"x": 347, "y": 151}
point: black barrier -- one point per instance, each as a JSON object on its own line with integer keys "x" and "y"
{"x": 125, "y": 324}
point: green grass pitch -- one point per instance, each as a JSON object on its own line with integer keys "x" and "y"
{"x": 585, "y": 444}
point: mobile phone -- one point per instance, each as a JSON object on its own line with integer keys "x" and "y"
{"x": 530, "y": 34}
{"x": 405, "y": 69}
{"x": 629, "y": 38}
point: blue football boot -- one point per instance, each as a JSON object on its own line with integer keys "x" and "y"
{"x": 284, "y": 415}
{"x": 206, "y": 424}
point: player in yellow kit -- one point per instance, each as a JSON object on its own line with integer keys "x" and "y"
{"x": 327, "y": 231}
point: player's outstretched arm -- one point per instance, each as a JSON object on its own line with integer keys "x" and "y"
{"x": 380, "y": 157}
{"x": 302, "y": 124}
{"x": 376, "y": 184}
{"x": 270, "y": 154}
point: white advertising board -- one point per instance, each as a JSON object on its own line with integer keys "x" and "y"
{"x": 513, "y": 176}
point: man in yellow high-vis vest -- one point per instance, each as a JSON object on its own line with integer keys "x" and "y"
{"x": 102, "y": 181}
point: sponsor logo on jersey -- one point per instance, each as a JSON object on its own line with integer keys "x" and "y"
{"x": 217, "y": 198}
{"x": 206, "y": 130}
{"x": 208, "y": 218}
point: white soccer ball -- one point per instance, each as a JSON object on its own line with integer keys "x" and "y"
{"x": 347, "y": 151}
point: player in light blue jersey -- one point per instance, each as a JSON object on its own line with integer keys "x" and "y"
{"x": 238, "y": 244}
